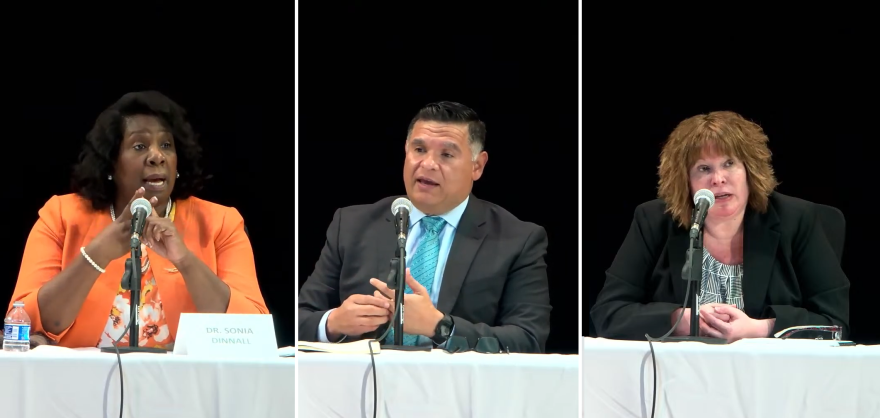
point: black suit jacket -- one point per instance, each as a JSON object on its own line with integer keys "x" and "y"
{"x": 791, "y": 272}
{"x": 495, "y": 282}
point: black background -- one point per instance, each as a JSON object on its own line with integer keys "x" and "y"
{"x": 365, "y": 71}
{"x": 812, "y": 92}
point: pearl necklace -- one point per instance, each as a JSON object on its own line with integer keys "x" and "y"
{"x": 167, "y": 211}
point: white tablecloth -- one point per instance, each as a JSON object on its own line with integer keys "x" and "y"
{"x": 437, "y": 384}
{"x": 55, "y": 382}
{"x": 750, "y": 378}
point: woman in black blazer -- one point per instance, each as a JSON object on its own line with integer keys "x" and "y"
{"x": 767, "y": 264}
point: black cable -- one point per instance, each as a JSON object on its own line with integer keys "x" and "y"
{"x": 654, "y": 363}
{"x": 375, "y": 392}
{"x": 379, "y": 340}
{"x": 373, "y": 361}
{"x": 132, "y": 317}
{"x": 687, "y": 295}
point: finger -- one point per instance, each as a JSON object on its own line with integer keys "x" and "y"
{"x": 362, "y": 329}
{"x": 369, "y": 310}
{"x": 379, "y": 295}
{"x": 390, "y": 310}
{"x": 704, "y": 329}
{"x": 137, "y": 194}
{"x": 148, "y": 232}
{"x": 718, "y": 325}
{"x": 718, "y": 315}
{"x": 705, "y": 311}
{"x": 155, "y": 212}
{"x": 125, "y": 214}
{"x": 727, "y": 310}
{"x": 709, "y": 331}
{"x": 382, "y": 288}
{"x": 371, "y": 321}
{"x": 416, "y": 287}
{"x": 369, "y": 300}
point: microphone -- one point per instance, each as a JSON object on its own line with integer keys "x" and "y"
{"x": 401, "y": 208}
{"x": 140, "y": 209}
{"x": 703, "y": 200}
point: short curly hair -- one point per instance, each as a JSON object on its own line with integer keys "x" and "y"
{"x": 101, "y": 148}
{"x": 730, "y": 134}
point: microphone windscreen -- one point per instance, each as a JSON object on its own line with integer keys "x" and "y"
{"x": 141, "y": 203}
{"x": 401, "y": 202}
{"x": 704, "y": 194}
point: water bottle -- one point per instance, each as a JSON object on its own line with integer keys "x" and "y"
{"x": 17, "y": 329}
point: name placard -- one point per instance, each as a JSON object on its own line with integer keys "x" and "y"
{"x": 226, "y": 335}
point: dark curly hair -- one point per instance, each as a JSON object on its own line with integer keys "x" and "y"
{"x": 101, "y": 148}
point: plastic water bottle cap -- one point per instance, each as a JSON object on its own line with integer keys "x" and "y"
{"x": 18, "y": 304}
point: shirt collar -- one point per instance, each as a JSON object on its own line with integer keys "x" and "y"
{"x": 452, "y": 217}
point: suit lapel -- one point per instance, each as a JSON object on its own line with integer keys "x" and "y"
{"x": 468, "y": 237}
{"x": 759, "y": 253}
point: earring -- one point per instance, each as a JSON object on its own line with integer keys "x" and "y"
{"x": 178, "y": 175}
{"x": 110, "y": 177}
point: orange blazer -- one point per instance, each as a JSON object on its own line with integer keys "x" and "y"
{"x": 214, "y": 233}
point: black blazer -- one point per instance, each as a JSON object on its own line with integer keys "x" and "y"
{"x": 495, "y": 282}
{"x": 791, "y": 272}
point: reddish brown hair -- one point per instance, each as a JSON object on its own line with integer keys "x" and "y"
{"x": 730, "y": 134}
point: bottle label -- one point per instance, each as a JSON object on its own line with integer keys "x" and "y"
{"x": 17, "y": 332}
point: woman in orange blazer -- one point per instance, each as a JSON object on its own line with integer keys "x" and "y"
{"x": 196, "y": 256}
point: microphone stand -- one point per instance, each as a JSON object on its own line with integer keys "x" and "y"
{"x": 692, "y": 272}
{"x": 397, "y": 279}
{"x": 131, "y": 280}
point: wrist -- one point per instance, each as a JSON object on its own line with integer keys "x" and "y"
{"x": 97, "y": 255}
{"x": 329, "y": 331}
{"x": 436, "y": 317}
{"x": 765, "y": 327}
{"x": 186, "y": 261}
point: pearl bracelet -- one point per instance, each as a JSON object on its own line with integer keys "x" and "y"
{"x": 89, "y": 259}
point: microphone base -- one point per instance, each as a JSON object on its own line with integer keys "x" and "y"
{"x": 404, "y": 347}
{"x": 704, "y": 340}
{"x": 126, "y": 350}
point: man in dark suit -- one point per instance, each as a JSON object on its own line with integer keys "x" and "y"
{"x": 474, "y": 269}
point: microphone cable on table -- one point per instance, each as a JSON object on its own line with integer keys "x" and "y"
{"x": 400, "y": 206}
{"x": 687, "y": 295}
{"x": 373, "y": 359}
{"x": 372, "y": 362}
{"x": 132, "y": 318}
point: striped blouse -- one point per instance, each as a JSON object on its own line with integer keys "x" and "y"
{"x": 722, "y": 283}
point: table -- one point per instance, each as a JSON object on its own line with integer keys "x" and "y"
{"x": 749, "y": 378}
{"x": 437, "y": 384}
{"x": 60, "y": 382}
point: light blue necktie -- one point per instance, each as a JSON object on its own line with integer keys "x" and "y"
{"x": 424, "y": 265}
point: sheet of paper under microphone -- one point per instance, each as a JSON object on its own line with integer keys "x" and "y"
{"x": 354, "y": 347}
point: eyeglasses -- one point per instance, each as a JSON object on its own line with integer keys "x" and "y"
{"x": 485, "y": 345}
{"x": 835, "y": 330}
